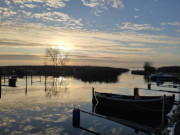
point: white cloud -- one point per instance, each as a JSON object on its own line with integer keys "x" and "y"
{"x": 7, "y": 12}
{"x": 28, "y": 6}
{"x": 137, "y": 27}
{"x": 27, "y": 14}
{"x": 55, "y": 3}
{"x": 7, "y": 2}
{"x": 26, "y": 1}
{"x": 18, "y": 1}
{"x": 90, "y": 45}
{"x": 49, "y": 3}
{"x": 101, "y": 5}
{"x": 92, "y": 3}
{"x": 58, "y": 17}
{"x": 136, "y": 16}
{"x": 136, "y": 9}
{"x": 115, "y": 3}
{"x": 171, "y": 23}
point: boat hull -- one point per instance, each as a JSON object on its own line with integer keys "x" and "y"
{"x": 127, "y": 104}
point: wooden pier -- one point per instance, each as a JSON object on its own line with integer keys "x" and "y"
{"x": 134, "y": 125}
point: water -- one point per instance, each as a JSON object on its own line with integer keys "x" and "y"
{"x": 47, "y": 108}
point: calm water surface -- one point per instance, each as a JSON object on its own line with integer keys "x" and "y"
{"x": 47, "y": 109}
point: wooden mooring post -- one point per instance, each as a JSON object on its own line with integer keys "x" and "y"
{"x": 93, "y": 97}
{"x": 45, "y": 81}
{"x": 12, "y": 82}
{"x": 26, "y": 86}
{"x": 4, "y": 79}
{"x": 0, "y": 86}
{"x": 31, "y": 79}
{"x": 163, "y": 109}
{"x": 40, "y": 78}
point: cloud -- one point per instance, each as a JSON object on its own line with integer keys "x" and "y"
{"x": 26, "y": 14}
{"x": 49, "y": 3}
{"x": 136, "y": 44}
{"x": 100, "y": 6}
{"x": 171, "y": 23}
{"x": 18, "y": 57}
{"x": 7, "y": 2}
{"x": 28, "y": 6}
{"x": 33, "y": 34}
{"x": 58, "y": 17}
{"x": 84, "y": 45}
{"x": 55, "y": 3}
{"x": 92, "y": 3}
{"x": 7, "y": 12}
{"x": 136, "y": 16}
{"x": 178, "y": 30}
{"x": 55, "y": 18}
{"x": 115, "y": 3}
{"x": 136, "y": 9}
{"x": 175, "y": 24}
{"x": 137, "y": 27}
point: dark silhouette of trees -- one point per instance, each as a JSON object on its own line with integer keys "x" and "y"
{"x": 58, "y": 56}
{"x": 148, "y": 66}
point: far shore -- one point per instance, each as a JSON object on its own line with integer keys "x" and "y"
{"x": 173, "y": 70}
{"x": 84, "y": 73}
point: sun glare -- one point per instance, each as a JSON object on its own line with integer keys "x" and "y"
{"x": 63, "y": 45}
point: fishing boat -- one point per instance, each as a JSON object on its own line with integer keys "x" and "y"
{"x": 144, "y": 105}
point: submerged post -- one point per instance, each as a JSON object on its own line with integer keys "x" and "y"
{"x": 93, "y": 97}
{"x": 0, "y": 86}
{"x": 40, "y": 78}
{"x": 163, "y": 109}
{"x": 45, "y": 82}
{"x": 4, "y": 79}
{"x": 26, "y": 86}
{"x": 31, "y": 79}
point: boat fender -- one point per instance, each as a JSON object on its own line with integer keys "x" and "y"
{"x": 76, "y": 117}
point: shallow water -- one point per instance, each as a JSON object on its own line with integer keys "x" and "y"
{"x": 46, "y": 108}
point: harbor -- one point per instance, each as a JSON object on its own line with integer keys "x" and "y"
{"x": 38, "y": 94}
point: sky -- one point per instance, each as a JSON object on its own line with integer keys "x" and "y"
{"x": 114, "y": 33}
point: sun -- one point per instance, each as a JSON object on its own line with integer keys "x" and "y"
{"x": 63, "y": 45}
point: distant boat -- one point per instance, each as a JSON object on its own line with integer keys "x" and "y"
{"x": 127, "y": 104}
{"x": 163, "y": 77}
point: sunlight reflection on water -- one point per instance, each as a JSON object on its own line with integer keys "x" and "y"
{"x": 47, "y": 109}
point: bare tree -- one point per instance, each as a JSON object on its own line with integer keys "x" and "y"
{"x": 58, "y": 56}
